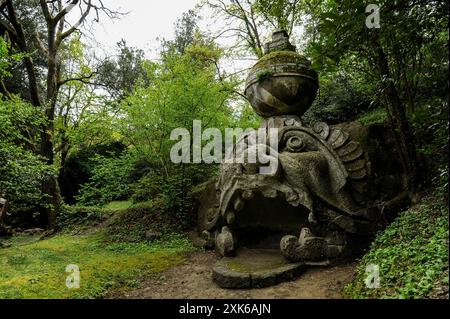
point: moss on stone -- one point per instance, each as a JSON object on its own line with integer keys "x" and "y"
{"x": 263, "y": 75}
{"x": 280, "y": 57}
{"x": 239, "y": 266}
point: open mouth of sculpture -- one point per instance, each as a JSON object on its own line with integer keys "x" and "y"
{"x": 262, "y": 209}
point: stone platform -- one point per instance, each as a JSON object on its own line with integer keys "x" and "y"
{"x": 255, "y": 268}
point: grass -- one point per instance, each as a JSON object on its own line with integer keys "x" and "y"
{"x": 119, "y": 205}
{"x": 376, "y": 116}
{"x": 37, "y": 269}
{"x": 412, "y": 254}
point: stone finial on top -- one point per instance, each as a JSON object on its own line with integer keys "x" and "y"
{"x": 280, "y": 42}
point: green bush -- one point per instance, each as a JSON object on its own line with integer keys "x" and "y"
{"x": 412, "y": 254}
{"x": 21, "y": 170}
{"x": 109, "y": 181}
{"x": 21, "y": 177}
{"x": 344, "y": 93}
{"x": 81, "y": 216}
{"x": 376, "y": 116}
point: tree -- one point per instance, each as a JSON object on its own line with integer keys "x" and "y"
{"x": 120, "y": 74}
{"x": 57, "y": 31}
{"x": 393, "y": 52}
{"x": 186, "y": 29}
{"x": 252, "y": 21}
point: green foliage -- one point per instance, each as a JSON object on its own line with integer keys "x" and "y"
{"x": 412, "y": 254}
{"x": 37, "y": 270}
{"x": 373, "y": 117}
{"x": 281, "y": 14}
{"x": 21, "y": 170}
{"x": 119, "y": 205}
{"x": 263, "y": 75}
{"x": 80, "y": 217}
{"x": 109, "y": 180}
{"x": 79, "y": 165}
{"x": 345, "y": 92}
{"x": 21, "y": 175}
{"x": 121, "y": 74}
{"x": 20, "y": 122}
{"x": 7, "y": 59}
{"x": 131, "y": 224}
{"x": 432, "y": 128}
{"x": 183, "y": 88}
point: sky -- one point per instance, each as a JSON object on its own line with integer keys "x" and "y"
{"x": 146, "y": 21}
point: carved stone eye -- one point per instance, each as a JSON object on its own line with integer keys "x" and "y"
{"x": 295, "y": 144}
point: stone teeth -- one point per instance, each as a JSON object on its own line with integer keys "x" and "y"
{"x": 269, "y": 193}
{"x": 247, "y": 194}
{"x": 230, "y": 217}
{"x": 239, "y": 204}
{"x": 292, "y": 199}
{"x": 293, "y": 203}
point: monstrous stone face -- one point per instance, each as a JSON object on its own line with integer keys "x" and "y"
{"x": 319, "y": 186}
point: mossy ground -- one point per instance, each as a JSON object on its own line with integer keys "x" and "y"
{"x": 411, "y": 253}
{"x": 33, "y": 268}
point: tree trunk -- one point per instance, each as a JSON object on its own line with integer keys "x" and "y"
{"x": 51, "y": 187}
{"x": 402, "y": 130}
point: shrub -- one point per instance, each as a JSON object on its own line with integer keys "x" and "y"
{"x": 109, "y": 181}
{"x": 21, "y": 177}
{"x": 412, "y": 254}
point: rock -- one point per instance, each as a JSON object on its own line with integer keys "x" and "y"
{"x": 313, "y": 249}
{"x": 227, "y": 278}
{"x": 33, "y": 231}
{"x": 152, "y": 235}
{"x": 255, "y": 268}
{"x": 334, "y": 251}
{"x": 289, "y": 247}
{"x": 4, "y": 245}
{"x": 337, "y": 180}
{"x": 5, "y": 231}
{"x": 225, "y": 242}
{"x": 306, "y": 248}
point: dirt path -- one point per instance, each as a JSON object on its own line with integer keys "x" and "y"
{"x": 192, "y": 280}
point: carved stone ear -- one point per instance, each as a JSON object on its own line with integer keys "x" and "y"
{"x": 352, "y": 156}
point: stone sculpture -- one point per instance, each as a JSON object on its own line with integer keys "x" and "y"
{"x": 321, "y": 189}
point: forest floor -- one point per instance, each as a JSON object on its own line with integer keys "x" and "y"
{"x": 116, "y": 261}
{"x": 193, "y": 280}
{"x": 34, "y": 268}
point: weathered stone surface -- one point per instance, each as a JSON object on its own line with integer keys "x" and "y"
{"x": 207, "y": 212}
{"x": 33, "y": 231}
{"x": 227, "y": 278}
{"x": 335, "y": 183}
{"x": 4, "y": 231}
{"x": 282, "y": 81}
{"x": 289, "y": 247}
{"x": 225, "y": 242}
{"x": 334, "y": 251}
{"x": 306, "y": 248}
{"x": 313, "y": 249}
{"x": 255, "y": 268}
